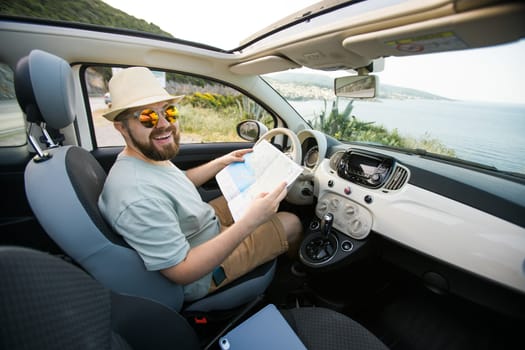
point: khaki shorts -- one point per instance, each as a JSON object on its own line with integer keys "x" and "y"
{"x": 264, "y": 244}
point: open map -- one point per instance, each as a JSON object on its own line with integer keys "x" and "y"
{"x": 262, "y": 171}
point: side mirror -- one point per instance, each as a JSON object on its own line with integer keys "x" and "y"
{"x": 251, "y": 130}
{"x": 360, "y": 86}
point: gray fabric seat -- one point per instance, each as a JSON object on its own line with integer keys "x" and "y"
{"x": 63, "y": 184}
{"x": 48, "y": 303}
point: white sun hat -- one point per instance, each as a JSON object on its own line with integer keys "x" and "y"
{"x": 135, "y": 87}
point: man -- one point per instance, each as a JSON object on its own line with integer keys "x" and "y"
{"x": 157, "y": 209}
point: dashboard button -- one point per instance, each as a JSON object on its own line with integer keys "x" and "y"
{"x": 322, "y": 206}
{"x": 355, "y": 225}
{"x": 347, "y": 246}
{"x": 349, "y": 210}
{"x": 334, "y": 204}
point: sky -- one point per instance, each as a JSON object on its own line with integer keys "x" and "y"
{"x": 216, "y": 23}
{"x": 505, "y": 83}
{"x": 219, "y": 24}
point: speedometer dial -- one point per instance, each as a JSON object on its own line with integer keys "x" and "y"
{"x": 311, "y": 157}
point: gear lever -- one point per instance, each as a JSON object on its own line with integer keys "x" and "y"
{"x": 326, "y": 224}
{"x": 321, "y": 246}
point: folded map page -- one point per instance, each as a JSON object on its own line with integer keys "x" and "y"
{"x": 262, "y": 171}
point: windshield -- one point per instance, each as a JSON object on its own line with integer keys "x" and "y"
{"x": 466, "y": 105}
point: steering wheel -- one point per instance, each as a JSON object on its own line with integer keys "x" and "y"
{"x": 301, "y": 191}
{"x": 295, "y": 151}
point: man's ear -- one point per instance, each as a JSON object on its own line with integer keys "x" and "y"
{"x": 119, "y": 126}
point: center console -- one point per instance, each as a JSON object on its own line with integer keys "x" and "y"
{"x": 324, "y": 245}
{"x": 343, "y": 220}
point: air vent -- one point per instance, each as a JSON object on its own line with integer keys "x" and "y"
{"x": 397, "y": 180}
{"x": 335, "y": 158}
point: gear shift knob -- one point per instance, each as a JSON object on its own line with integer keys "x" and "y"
{"x": 326, "y": 224}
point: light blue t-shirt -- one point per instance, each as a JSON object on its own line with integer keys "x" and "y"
{"x": 160, "y": 213}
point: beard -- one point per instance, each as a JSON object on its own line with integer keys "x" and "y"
{"x": 151, "y": 151}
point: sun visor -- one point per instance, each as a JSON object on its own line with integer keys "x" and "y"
{"x": 455, "y": 32}
{"x": 263, "y": 65}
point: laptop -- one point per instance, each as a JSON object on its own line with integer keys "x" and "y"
{"x": 265, "y": 330}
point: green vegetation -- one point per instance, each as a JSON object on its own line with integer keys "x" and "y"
{"x": 213, "y": 101}
{"x": 237, "y": 104}
{"x": 79, "y": 11}
{"x": 344, "y": 126}
{"x": 205, "y": 125}
{"x": 209, "y": 117}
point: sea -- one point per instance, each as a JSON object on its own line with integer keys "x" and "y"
{"x": 487, "y": 133}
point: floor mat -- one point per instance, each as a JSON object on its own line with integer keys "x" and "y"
{"x": 423, "y": 320}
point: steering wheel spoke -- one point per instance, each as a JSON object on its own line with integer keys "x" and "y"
{"x": 293, "y": 150}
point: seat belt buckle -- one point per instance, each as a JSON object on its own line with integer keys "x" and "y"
{"x": 200, "y": 320}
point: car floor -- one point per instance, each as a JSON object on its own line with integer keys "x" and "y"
{"x": 396, "y": 307}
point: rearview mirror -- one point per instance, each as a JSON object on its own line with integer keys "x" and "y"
{"x": 360, "y": 86}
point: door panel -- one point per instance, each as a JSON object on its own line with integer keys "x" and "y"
{"x": 18, "y": 225}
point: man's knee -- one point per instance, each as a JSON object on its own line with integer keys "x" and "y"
{"x": 292, "y": 226}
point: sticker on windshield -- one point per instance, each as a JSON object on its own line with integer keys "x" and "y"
{"x": 443, "y": 41}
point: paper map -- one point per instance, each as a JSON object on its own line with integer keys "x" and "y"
{"x": 262, "y": 171}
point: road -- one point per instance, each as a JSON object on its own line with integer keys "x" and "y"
{"x": 12, "y": 127}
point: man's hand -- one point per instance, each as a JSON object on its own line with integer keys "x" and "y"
{"x": 264, "y": 206}
{"x": 235, "y": 156}
{"x": 203, "y": 258}
{"x": 201, "y": 174}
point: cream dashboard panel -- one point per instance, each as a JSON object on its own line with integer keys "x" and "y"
{"x": 435, "y": 225}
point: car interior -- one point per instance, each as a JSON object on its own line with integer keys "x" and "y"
{"x": 401, "y": 250}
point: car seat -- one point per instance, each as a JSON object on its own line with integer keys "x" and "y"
{"x": 63, "y": 183}
{"x": 49, "y": 303}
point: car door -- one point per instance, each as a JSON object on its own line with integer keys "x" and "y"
{"x": 18, "y": 226}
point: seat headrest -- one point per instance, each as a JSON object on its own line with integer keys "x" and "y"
{"x": 45, "y": 89}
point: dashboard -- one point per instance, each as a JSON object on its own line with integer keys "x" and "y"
{"x": 443, "y": 211}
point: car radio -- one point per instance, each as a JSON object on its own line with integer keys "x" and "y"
{"x": 364, "y": 168}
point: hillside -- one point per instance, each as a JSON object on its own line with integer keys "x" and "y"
{"x": 295, "y": 85}
{"x": 80, "y": 11}
{"x": 402, "y": 93}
